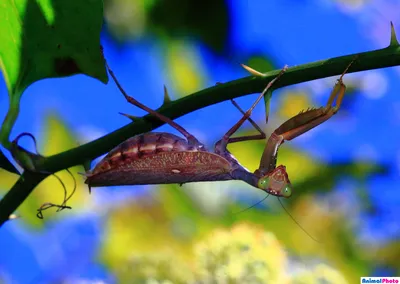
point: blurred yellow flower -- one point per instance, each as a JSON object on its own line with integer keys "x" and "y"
{"x": 321, "y": 273}
{"x": 294, "y": 102}
{"x": 127, "y": 18}
{"x": 184, "y": 68}
{"x": 162, "y": 266}
{"x": 146, "y": 252}
{"x": 244, "y": 254}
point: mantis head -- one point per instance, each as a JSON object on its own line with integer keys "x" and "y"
{"x": 276, "y": 182}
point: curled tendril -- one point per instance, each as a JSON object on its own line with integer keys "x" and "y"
{"x": 63, "y": 205}
{"x": 48, "y": 205}
{"x": 67, "y": 197}
{"x": 15, "y": 141}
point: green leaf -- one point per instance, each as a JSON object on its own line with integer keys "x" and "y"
{"x": 6, "y": 164}
{"x": 45, "y": 39}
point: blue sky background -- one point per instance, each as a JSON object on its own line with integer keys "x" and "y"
{"x": 287, "y": 32}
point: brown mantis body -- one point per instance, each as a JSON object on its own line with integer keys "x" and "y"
{"x": 164, "y": 158}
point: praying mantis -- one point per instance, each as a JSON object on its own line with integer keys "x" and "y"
{"x": 164, "y": 158}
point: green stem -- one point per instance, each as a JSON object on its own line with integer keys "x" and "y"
{"x": 9, "y": 120}
{"x": 19, "y": 192}
{"x": 381, "y": 58}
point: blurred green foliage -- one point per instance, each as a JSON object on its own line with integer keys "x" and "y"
{"x": 172, "y": 235}
{"x": 208, "y": 21}
{"x": 172, "y": 223}
{"x": 153, "y": 239}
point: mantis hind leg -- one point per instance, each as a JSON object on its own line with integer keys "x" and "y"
{"x": 253, "y": 123}
{"x": 191, "y": 139}
{"x": 267, "y": 99}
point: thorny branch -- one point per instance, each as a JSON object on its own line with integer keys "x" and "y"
{"x": 382, "y": 58}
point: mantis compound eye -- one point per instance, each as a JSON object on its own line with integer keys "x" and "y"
{"x": 263, "y": 183}
{"x": 287, "y": 191}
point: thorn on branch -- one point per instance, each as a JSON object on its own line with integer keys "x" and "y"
{"x": 131, "y": 117}
{"x": 393, "y": 37}
{"x": 167, "y": 98}
{"x": 253, "y": 71}
{"x": 13, "y": 217}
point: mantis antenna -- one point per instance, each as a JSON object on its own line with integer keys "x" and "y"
{"x": 298, "y": 224}
{"x": 252, "y": 206}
